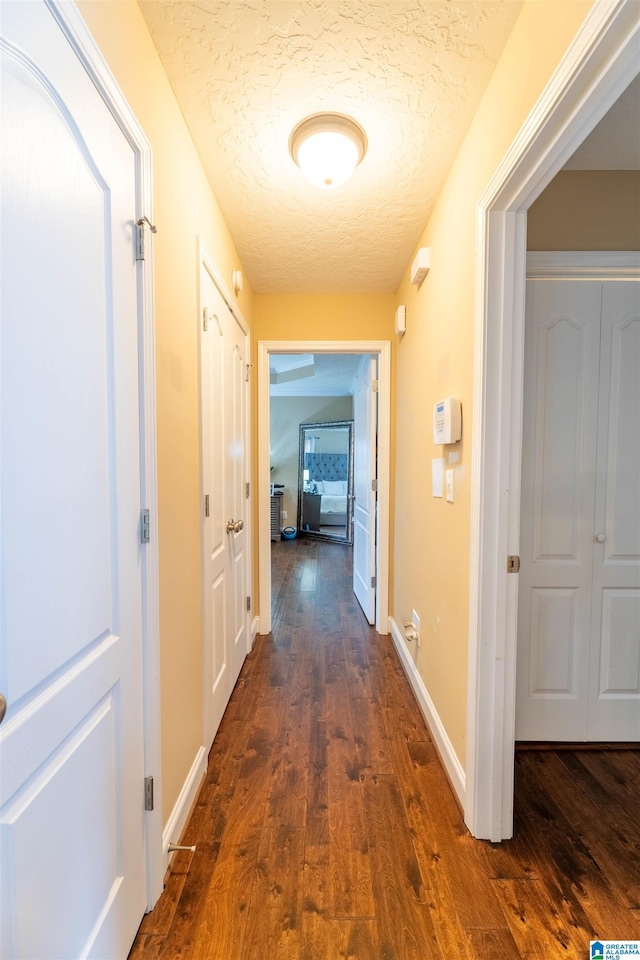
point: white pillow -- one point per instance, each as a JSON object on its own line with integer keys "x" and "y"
{"x": 334, "y": 487}
{"x": 319, "y": 486}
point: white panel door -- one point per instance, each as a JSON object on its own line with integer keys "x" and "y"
{"x": 578, "y": 615}
{"x": 614, "y": 700}
{"x": 71, "y": 745}
{"x": 562, "y": 348}
{"x": 224, "y": 474}
{"x": 365, "y": 422}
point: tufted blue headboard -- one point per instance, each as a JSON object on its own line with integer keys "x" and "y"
{"x": 326, "y": 466}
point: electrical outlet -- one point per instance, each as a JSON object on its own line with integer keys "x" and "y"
{"x": 415, "y": 620}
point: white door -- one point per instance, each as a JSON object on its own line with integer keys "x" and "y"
{"x": 225, "y": 513}
{"x": 71, "y": 745}
{"x": 365, "y": 422}
{"x": 578, "y": 612}
{"x": 614, "y": 682}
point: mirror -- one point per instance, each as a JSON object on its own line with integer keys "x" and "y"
{"x": 325, "y": 480}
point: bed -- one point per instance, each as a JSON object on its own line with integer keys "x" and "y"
{"x": 333, "y": 503}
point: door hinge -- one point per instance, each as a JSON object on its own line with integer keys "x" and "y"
{"x": 206, "y": 504}
{"x": 205, "y": 319}
{"x": 375, "y": 385}
{"x": 148, "y": 793}
{"x": 248, "y": 603}
{"x": 248, "y": 372}
{"x": 140, "y": 235}
{"x": 374, "y": 486}
{"x": 145, "y": 529}
{"x": 247, "y": 490}
{"x": 513, "y": 564}
{"x": 374, "y": 582}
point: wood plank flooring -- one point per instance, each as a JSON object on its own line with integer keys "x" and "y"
{"x": 326, "y": 829}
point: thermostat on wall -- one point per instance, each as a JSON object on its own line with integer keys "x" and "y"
{"x": 447, "y": 421}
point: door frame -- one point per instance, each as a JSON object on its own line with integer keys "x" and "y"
{"x": 206, "y": 262}
{"x": 84, "y": 46}
{"x": 598, "y": 66}
{"x": 381, "y": 349}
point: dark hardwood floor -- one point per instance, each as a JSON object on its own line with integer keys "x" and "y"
{"x": 326, "y": 829}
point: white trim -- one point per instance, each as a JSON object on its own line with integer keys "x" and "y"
{"x": 441, "y": 741}
{"x": 205, "y": 261}
{"x": 598, "y": 66}
{"x": 255, "y": 626}
{"x": 583, "y": 263}
{"x": 85, "y": 47}
{"x": 184, "y": 804}
{"x": 205, "y": 258}
{"x": 381, "y": 349}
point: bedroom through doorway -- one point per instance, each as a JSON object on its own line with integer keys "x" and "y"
{"x": 320, "y": 444}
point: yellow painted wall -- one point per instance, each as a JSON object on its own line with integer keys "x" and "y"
{"x": 355, "y": 316}
{"x": 587, "y": 210}
{"x": 435, "y": 360}
{"x": 184, "y": 207}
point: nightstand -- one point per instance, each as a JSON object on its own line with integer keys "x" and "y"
{"x": 311, "y": 511}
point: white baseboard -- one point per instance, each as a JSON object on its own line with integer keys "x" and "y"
{"x": 255, "y": 624}
{"x": 443, "y": 745}
{"x": 180, "y": 813}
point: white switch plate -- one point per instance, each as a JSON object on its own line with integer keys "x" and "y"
{"x": 284, "y": 514}
{"x": 449, "y": 485}
{"x": 437, "y": 469}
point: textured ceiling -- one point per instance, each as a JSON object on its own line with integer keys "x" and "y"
{"x": 410, "y": 72}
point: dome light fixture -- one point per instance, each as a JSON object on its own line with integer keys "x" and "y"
{"x": 328, "y": 147}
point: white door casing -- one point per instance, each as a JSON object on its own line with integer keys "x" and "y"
{"x": 579, "y": 640}
{"x": 74, "y": 609}
{"x": 382, "y": 350}
{"x": 364, "y": 475}
{"x": 224, "y": 390}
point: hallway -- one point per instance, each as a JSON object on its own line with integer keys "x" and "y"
{"x": 326, "y": 829}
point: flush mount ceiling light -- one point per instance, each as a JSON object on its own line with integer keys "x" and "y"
{"x": 328, "y": 147}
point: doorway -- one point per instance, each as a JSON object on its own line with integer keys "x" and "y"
{"x": 381, "y": 350}
{"x": 596, "y": 70}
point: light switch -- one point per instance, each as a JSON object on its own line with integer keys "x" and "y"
{"x": 449, "y": 485}
{"x": 437, "y": 467}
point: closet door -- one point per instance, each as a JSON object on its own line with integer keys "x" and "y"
{"x": 562, "y": 347}
{"x": 614, "y": 685}
{"x": 225, "y": 511}
{"x": 578, "y": 668}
